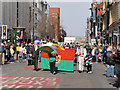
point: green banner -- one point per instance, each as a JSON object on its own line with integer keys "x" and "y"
{"x": 63, "y": 65}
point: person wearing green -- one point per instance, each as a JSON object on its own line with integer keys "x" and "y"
{"x": 52, "y": 60}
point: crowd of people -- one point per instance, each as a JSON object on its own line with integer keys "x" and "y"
{"x": 85, "y": 55}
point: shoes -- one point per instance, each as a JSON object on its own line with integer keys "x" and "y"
{"x": 36, "y": 69}
{"x": 53, "y": 73}
{"x": 115, "y": 76}
{"x": 90, "y": 72}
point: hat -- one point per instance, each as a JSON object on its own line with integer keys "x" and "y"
{"x": 81, "y": 44}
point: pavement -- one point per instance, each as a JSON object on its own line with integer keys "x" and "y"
{"x": 21, "y": 75}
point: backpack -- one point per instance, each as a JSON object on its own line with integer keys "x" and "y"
{"x": 110, "y": 58}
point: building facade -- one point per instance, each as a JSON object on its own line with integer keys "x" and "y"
{"x": 54, "y": 19}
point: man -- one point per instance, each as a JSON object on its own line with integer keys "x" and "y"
{"x": 52, "y": 58}
{"x": 96, "y": 53}
{"x": 35, "y": 55}
{"x": 81, "y": 54}
{"x": 110, "y": 62}
{"x": 17, "y": 49}
{"x": 29, "y": 54}
{"x": 117, "y": 65}
{"x": 104, "y": 53}
{"x": 1, "y": 52}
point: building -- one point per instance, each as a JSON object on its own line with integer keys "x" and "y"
{"x": 88, "y": 38}
{"x": 54, "y": 19}
{"x": 111, "y": 19}
{"x": 22, "y": 14}
{"x": 93, "y": 20}
{"x": 62, "y": 33}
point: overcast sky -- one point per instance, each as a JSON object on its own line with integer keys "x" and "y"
{"x": 73, "y": 16}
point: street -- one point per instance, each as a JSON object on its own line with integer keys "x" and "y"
{"x": 19, "y": 74}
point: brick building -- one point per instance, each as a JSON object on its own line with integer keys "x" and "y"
{"x": 54, "y": 19}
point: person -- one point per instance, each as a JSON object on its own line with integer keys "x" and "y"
{"x": 96, "y": 53}
{"x": 93, "y": 54}
{"x": 110, "y": 64}
{"x": 81, "y": 56}
{"x": 35, "y": 55}
{"x": 29, "y": 54}
{"x": 3, "y": 55}
{"x": 1, "y": 51}
{"x": 52, "y": 58}
{"x": 24, "y": 52}
{"x": 21, "y": 54}
{"x": 104, "y": 53}
{"x": 17, "y": 49}
{"x": 87, "y": 46}
{"x": 12, "y": 54}
{"x": 71, "y": 46}
{"x": 8, "y": 52}
{"x": 117, "y": 65}
{"x": 88, "y": 62}
{"x": 100, "y": 54}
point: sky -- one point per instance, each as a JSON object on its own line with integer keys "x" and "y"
{"x": 73, "y": 16}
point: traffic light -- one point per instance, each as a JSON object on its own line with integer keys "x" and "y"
{"x": 4, "y": 31}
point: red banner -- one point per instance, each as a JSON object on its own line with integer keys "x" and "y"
{"x": 67, "y": 54}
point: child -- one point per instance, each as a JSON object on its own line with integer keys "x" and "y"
{"x": 88, "y": 62}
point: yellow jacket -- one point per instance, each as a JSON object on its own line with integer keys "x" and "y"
{"x": 17, "y": 48}
{"x": 11, "y": 51}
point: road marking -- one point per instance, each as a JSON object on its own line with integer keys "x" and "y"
{"x": 29, "y": 82}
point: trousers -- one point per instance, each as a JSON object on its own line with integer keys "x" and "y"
{"x": 80, "y": 63}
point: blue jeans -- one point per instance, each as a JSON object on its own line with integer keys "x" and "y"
{"x": 110, "y": 69}
{"x": 12, "y": 58}
{"x": 23, "y": 56}
{"x": 96, "y": 57}
{"x": 20, "y": 59}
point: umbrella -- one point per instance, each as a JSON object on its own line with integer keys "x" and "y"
{"x": 37, "y": 41}
{"x": 49, "y": 47}
{"x": 58, "y": 47}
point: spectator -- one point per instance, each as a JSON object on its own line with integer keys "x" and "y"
{"x": 117, "y": 65}
{"x": 17, "y": 49}
{"x": 1, "y": 51}
{"x": 21, "y": 54}
{"x": 96, "y": 54}
{"x": 12, "y": 54}
{"x": 110, "y": 62}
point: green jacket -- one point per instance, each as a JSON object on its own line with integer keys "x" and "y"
{"x": 52, "y": 58}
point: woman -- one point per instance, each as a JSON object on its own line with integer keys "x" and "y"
{"x": 12, "y": 54}
{"x": 52, "y": 58}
